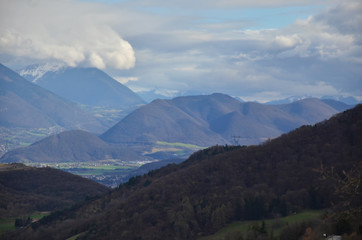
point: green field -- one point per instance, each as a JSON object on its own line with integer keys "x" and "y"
{"x": 183, "y": 145}
{"x": 272, "y": 225}
{"x": 8, "y": 224}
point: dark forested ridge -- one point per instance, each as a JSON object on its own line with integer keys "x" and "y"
{"x": 219, "y": 185}
{"x": 24, "y": 190}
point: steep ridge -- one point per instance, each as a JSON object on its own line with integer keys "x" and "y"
{"x": 89, "y": 86}
{"x": 219, "y": 185}
{"x": 69, "y": 146}
{"x": 25, "y": 190}
{"x": 24, "y": 104}
{"x": 215, "y": 119}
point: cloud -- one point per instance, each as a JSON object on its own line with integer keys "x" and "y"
{"x": 211, "y": 4}
{"x": 287, "y": 41}
{"x": 197, "y": 46}
{"x": 319, "y": 55}
{"x": 125, "y": 80}
{"x": 75, "y": 33}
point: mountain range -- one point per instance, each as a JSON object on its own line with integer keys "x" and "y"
{"x": 217, "y": 119}
{"x": 89, "y": 86}
{"x": 197, "y": 120}
{"x": 24, "y": 104}
{"x": 346, "y": 100}
{"x": 201, "y": 120}
{"x": 220, "y": 185}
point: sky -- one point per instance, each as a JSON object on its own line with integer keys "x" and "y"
{"x": 258, "y": 50}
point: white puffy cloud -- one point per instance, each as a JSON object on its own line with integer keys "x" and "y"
{"x": 76, "y": 33}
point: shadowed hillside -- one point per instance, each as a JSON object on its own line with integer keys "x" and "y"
{"x": 25, "y": 190}
{"x": 219, "y": 185}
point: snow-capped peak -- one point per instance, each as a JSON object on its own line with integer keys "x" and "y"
{"x": 36, "y": 71}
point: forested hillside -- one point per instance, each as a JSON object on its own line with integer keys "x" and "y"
{"x": 24, "y": 190}
{"x": 219, "y": 185}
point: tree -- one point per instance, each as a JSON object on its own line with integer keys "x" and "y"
{"x": 347, "y": 213}
{"x": 22, "y": 222}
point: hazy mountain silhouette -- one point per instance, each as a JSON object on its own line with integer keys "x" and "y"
{"x": 216, "y": 119}
{"x": 344, "y": 100}
{"x": 89, "y": 86}
{"x": 24, "y": 104}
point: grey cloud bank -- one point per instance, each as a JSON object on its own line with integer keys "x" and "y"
{"x": 179, "y": 49}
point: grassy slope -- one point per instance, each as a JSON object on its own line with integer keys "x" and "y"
{"x": 272, "y": 225}
{"x": 8, "y": 224}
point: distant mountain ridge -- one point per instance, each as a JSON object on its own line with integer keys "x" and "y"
{"x": 89, "y": 86}
{"x": 345, "y": 100}
{"x": 217, "y": 119}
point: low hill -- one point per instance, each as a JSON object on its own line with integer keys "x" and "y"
{"x": 24, "y": 104}
{"x": 25, "y": 190}
{"x": 219, "y": 185}
{"x": 70, "y": 146}
{"x": 89, "y": 86}
{"x": 216, "y": 119}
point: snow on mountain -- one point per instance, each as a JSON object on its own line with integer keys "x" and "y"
{"x": 287, "y": 100}
{"x": 36, "y": 71}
